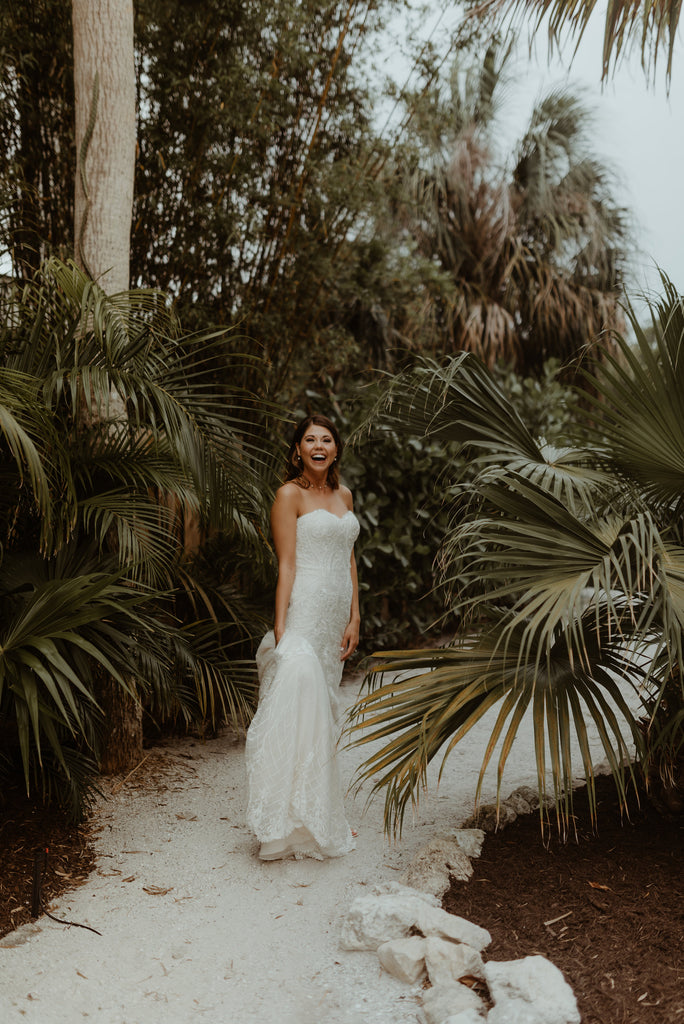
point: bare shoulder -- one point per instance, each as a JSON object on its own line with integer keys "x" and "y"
{"x": 347, "y": 497}
{"x": 288, "y": 497}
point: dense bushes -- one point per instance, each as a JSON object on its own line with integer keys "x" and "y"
{"x": 95, "y": 507}
{"x": 404, "y": 491}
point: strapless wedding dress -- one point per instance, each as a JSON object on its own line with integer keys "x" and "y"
{"x": 296, "y": 799}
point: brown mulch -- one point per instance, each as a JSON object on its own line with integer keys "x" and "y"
{"x": 26, "y": 829}
{"x": 608, "y": 909}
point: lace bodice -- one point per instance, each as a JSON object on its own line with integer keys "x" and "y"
{"x": 320, "y": 602}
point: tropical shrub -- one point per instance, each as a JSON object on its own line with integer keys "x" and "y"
{"x": 563, "y": 568}
{"x": 113, "y": 436}
{"x": 545, "y": 402}
{"x": 404, "y": 488}
{"x": 402, "y": 511}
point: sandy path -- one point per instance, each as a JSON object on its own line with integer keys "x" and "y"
{"x": 227, "y": 939}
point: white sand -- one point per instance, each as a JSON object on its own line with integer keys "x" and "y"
{"x": 227, "y": 938}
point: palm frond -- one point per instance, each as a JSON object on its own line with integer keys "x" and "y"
{"x": 28, "y": 436}
{"x": 56, "y": 630}
{"x": 651, "y": 25}
{"x": 143, "y": 532}
{"x": 434, "y": 698}
{"x": 458, "y": 402}
{"x": 225, "y": 686}
{"x": 640, "y": 415}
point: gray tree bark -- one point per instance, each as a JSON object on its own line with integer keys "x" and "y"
{"x": 104, "y": 86}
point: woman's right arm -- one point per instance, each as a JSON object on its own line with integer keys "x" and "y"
{"x": 284, "y": 530}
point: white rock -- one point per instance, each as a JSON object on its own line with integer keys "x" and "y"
{"x": 435, "y": 864}
{"x": 445, "y": 1001}
{"x": 529, "y": 991}
{"x": 404, "y": 958}
{"x": 448, "y": 926}
{"x": 519, "y": 804}
{"x": 396, "y": 888}
{"x": 527, "y": 795}
{"x": 447, "y": 962}
{"x": 470, "y": 840}
{"x": 372, "y": 920}
{"x": 466, "y": 1017}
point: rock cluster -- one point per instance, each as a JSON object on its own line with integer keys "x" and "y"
{"x": 490, "y": 817}
{"x": 418, "y": 942}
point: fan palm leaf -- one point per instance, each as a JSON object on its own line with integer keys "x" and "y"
{"x": 439, "y": 696}
{"x": 640, "y": 410}
{"x": 569, "y": 590}
{"x": 651, "y": 24}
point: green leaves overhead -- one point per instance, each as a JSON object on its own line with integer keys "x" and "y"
{"x": 268, "y": 195}
{"x": 651, "y": 24}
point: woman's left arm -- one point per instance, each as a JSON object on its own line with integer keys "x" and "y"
{"x": 350, "y": 640}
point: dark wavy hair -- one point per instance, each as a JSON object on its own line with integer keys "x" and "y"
{"x": 292, "y": 468}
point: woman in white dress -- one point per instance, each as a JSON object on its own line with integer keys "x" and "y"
{"x": 296, "y": 798}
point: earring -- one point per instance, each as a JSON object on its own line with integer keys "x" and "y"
{"x": 299, "y": 459}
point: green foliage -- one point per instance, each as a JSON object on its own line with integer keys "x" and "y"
{"x": 266, "y": 195}
{"x": 256, "y": 172}
{"x": 61, "y": 618}
{"x": 403, "y": 514}
{"x": 405, "y": 489}
{"x": 546, "y": 404}
{"x": 564, "y": 568}
{"x": 254, "y": 181}
{"x": 114, "y": 436}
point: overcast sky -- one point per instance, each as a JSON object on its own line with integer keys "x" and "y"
{"x": 639, "y": 132}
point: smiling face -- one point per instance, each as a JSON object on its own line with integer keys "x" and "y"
{"x": 317, "y": 449}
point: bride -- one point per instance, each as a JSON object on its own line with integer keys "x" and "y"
{"x": 296, "y": 805}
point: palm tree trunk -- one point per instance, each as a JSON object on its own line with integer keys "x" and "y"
{"x": 104, "y": 87}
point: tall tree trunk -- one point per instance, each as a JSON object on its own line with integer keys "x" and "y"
{"x": 104, "y": 87}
